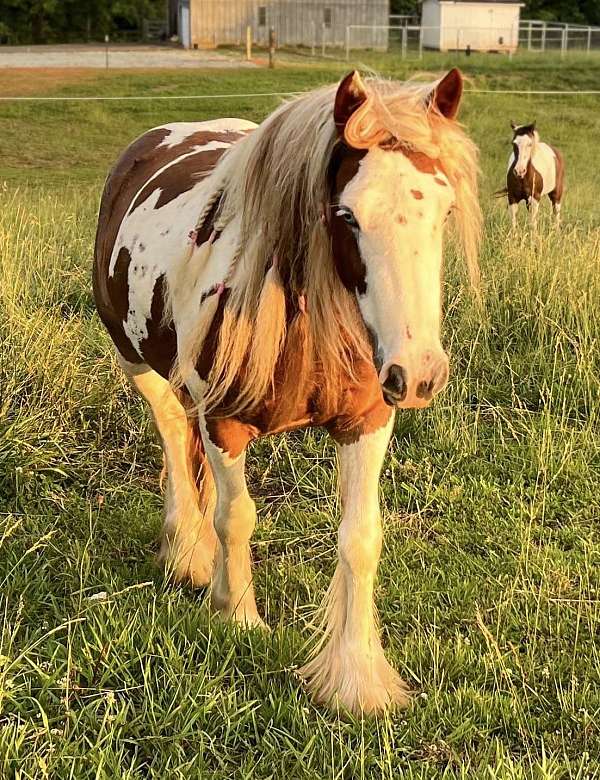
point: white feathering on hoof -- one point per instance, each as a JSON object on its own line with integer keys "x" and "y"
{"x": 341, "y": 673}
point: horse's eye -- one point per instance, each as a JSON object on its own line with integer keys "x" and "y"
{"x": 347, "y": 216}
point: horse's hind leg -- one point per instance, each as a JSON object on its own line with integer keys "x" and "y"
{"x": 189, "y": 540}
{"x": 556, "y": 206}
{"x": 235, "y": 518}
{"x": 350, "y": 667}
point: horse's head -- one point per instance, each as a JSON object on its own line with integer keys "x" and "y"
{"x": 389, "y": 206}
{"x": 524, "y": 140}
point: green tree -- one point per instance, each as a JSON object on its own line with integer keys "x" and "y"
{"x": 44, "y": 21}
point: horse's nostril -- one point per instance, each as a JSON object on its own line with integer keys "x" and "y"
{"x": 395, "y": 383}
{"x": 425, "y": 390}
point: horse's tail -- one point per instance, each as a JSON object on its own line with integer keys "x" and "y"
{"x": 501, "y": 193}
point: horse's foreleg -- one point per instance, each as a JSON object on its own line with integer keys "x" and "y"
{"x": 350, "y": 667}
{"x": 235, "y": 517}
{"x": 189, "y": 540}
{"x": 534, "y": 206}
{"x": 513, "y": 207}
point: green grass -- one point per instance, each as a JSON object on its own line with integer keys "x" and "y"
{"x": 489, "y": 582}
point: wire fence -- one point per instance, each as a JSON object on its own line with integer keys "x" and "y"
{"x": 528, "y": 35}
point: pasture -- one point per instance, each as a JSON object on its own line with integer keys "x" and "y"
{"x": 489, "y": 579}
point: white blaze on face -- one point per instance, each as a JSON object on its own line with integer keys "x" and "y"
{"x": 524, "y": 148}
{"x": 401, "y": 212}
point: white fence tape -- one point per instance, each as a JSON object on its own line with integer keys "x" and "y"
{"x": 85, "y": 98}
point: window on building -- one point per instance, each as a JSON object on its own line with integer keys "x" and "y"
{"x": 262, "y": 15}
{"x": 327, "y": 17}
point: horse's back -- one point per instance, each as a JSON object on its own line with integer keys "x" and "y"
{"x": 152, "y": 198}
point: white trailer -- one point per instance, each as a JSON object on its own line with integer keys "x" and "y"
{"x": 449, "y": 25}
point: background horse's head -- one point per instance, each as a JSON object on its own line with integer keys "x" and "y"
{"x": 390, "y": 203}
{"x": 524, "y": 140}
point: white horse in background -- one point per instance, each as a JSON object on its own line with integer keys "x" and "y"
{"x": 534, "y": 169}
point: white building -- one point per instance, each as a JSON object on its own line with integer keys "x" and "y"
{"x": 490, "y": 25}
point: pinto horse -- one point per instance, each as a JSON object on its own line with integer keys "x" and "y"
{"x": 534, "y": 169}
{"x": 258, "y": 279}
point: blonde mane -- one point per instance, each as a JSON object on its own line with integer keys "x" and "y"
{"x": 274, "y": 182}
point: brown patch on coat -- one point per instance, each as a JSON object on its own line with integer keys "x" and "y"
{"x": 421, "y": 161}
{"x": 115, "y": 314}
{"x": 229, "y": 434}
{"x": 179, "y": 177}
{"x": 160, "y": 347}
{"x": 401, "y": 219}
{"x": 529, "y": 186}
{"x": 439, "y": 181}
{"x": 417, "y": 194}
{"x": 349, "y": 264}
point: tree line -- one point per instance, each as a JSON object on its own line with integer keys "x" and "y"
{"x": 64, "y": 21}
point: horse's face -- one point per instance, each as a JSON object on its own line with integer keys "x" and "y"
{"x": 524, "y": 140}
{"x": 387, "y": 231}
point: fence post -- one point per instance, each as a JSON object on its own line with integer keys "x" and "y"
{"x": 248, "y": 43}
{"x": 529, "y": 37}
{"x": 589, "y": 40}
{"x": 314, "y": 38}
{"x": 404, "y": 41}
{"x": 544, "y": 37}
{"x": 563, "y": 42}
{"x": 106, "y": 39}
{"x": 421, "y": 42}
{"x": 323, "y": 39}
{"x": 271, "y": 47}
{"x": 347, "y": 42}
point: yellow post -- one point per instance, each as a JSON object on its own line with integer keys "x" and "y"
{"x": 248, "y": 43}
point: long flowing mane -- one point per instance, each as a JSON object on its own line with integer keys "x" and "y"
{"x": 274, "y": 183}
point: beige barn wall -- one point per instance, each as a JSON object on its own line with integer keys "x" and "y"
{"x": 296, "y": 22}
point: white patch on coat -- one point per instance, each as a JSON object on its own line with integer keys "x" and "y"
{"x": 544, "y": 161}
{"x": 401, "y": 213}
{"x": 179, "y": 131}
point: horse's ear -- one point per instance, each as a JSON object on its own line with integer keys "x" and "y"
{"x": 350, "y": 96}
{"x": 513, "y": 125}
{"x": 447, "y": 93}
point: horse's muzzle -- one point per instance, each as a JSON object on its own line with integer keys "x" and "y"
{"x": 408, "y": 389}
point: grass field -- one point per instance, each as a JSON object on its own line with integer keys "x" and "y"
{"x": 488, "y": 587}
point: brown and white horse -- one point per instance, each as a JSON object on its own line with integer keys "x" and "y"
{"x": 257, "y": 279}
{"x": 534, "y": 169}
